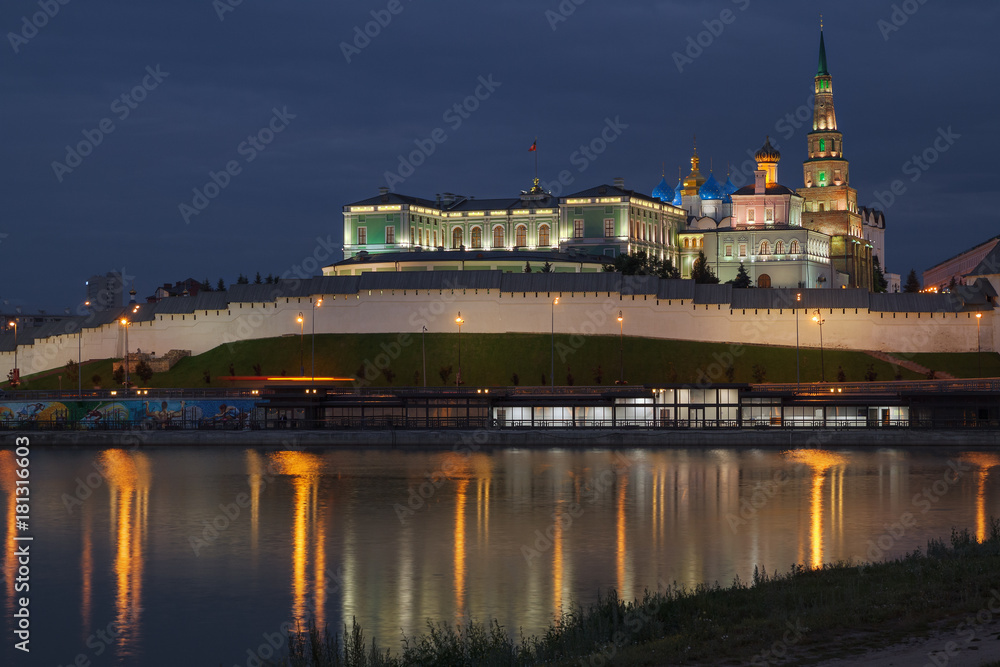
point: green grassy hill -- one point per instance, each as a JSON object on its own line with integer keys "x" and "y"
{"x": 493, "y": 360}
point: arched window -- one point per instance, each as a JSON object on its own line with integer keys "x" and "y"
{"x": 498, "y": 237}
{"x": 794, "y": 248}
{"x": 764, "y": 280}
{"x": 765, "y": 248}
{"x": 477, "y": 237}
{"x": 520, "y": 236}
{"x": 543, "y": 235}
{"x": 779, "y": 247}
{"x": 456, "y": 238}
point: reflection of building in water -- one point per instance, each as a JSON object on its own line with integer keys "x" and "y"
{"x": 129, "y": 479}
{"x": 86, "y": 569}
{"x": 7, "y": 479}
{"x": 308, "y": 536}
{"x": 983, "y": 461}
{"x": 819, "y": 461}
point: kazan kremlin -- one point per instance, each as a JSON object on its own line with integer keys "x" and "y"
{"x": 412, "y": 263}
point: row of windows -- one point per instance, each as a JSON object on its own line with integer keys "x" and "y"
{"x": 609, "y": 228}
{"x": 765, "y": 248}
{"x": 768, "y": 215}
{"x": 423, "y": 237}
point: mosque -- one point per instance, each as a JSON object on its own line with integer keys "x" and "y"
{"x": 814, "y": 236}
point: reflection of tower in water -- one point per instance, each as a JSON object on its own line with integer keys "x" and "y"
{"x": 819, "y": 462}
{"x": 129, "y": 478}
{"x": 983, "y": 461}
{"x": 7, "y": 480}
{"x": 308, "y": 536}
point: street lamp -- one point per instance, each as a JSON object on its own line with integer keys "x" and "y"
{"x": 302, "y": 367}
{"x": 818, "y": 319}
{"x": 979, "y": 347}
{"x": 316, "y": 304}
{"x": 459, "y": 321}
{"x": 124, "y": 322}
{"x": 79, "y": 358}
{"x": 621, "y": 347}
{"x": 13, "y": 323}
{"x": 552, "y": 376}
{"x": 798, "y": 299}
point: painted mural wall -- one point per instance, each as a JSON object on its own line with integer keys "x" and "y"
{"x": 101, "y": 414}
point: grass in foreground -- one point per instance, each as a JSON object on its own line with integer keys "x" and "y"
{"x": 830, "y": 612}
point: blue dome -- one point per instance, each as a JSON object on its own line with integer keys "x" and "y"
{"x": 711, "y": 189}
{"x": 677, "y": 193}
{"x": 727, "y": 191}
{"x": 663, "y": 191}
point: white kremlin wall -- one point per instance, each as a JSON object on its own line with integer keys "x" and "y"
{"x": 490, "y": 311}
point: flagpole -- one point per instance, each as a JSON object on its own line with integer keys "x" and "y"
{"x": 536, "y": 157}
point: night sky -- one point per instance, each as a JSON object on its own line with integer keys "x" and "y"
{"x": 201, "y": 78}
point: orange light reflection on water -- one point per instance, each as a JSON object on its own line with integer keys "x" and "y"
{"x": 7, "y": 479}
{"x": 460, "y": 548}
{"x": 819, "y": 462}
{"x": 984, "y": 461}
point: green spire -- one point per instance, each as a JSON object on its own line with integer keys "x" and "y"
{"x": 822, "y": 56}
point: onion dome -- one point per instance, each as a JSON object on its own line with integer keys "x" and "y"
{"x": 727, "y": 191}
{"x": 711, "y": 189}
{"x": 663, "y": 191}
{"x": 767, "y": 153}
{"x": 677, "y": 193}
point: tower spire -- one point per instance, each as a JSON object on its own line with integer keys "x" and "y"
{"x": 821, "y": 70}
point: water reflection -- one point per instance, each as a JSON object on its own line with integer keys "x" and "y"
{"x": 8, "y": 479}
{"x": 460, "y": 610}
{"x": 820, "y": 461}
{"x": 983, "y": 462}
{"x": 308, "y": 535}
{"x": 129, "y": 479}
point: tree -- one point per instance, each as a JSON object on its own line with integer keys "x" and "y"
{"x": 221, "y": 287}
{"x": 270, "y": 279}
{"x": 208, "y": 376}
{"x": 742, "y": 279}
{"x": 388, "y": 374}
{"x": 72, "y": 371}
{"x": 547, "y": 268}
{"x": 119, "y": 375}
{"x": 912, "y": 285}
{"x": 242, "y": 280}
{"x": 257, "y": 370}
{"x": 143, "y": 370}
{"x": 527, "y": 267}
{"x": 515, "y": 380}
{"x": 232, "y": 370}
{"x": 730, "y": 372}
{"x": 870, "y": 373}
{"x": 569, "y": 377}
{"x": 759, "y": 373}
{"x": 701, "y": 272}
{"x": 96, "y": 380}
{"x": 642, "y": 264}
{"x": 445, "y": 373}
{"x": 952, "y": 284}
{"x": 256, "y": 279}
{"x": 206, "y": 286}
{"x": 841, "y": 375}
{"x": 598, "y": 374}
{"x": 879, "y": 283}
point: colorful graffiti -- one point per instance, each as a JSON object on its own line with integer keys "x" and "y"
{"x": 157, "y": 413}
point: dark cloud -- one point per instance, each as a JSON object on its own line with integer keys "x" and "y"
{"x": 352, "y": 120}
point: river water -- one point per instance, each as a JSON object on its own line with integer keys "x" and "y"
{"x": 201, "y": 555}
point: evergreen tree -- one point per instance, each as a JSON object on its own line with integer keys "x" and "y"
{"x": 206, "y": 286}
{"x": 221, "y": 286}
{"x": 912, "y": 285}
{"x": 701, "y": 272}
{"x": 879, "y": 283}
{"x": 242, "y": 280}
{"x": 547, "y": 268}
{"x": 527, "y": 267}
{"x": 257, "y": 280}
{"x": 270, "y": 279}
{"x": 642, "y": 264}
{"x": 953, "y": 284}
{"x": 742, "y": 279}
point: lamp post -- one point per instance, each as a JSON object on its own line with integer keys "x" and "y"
{"x": 818, "y": 319}
{"x": 124, "y": 322}
{"x": 316, "y": 304}
{"x": 302, "y": 321}
{"x": 552, "y": 371}
{"x": 79, "y": 357}
{"x": 798, "y": 299}
{"x": 13, "y": 323}
{"x": 423, "y": 354}
{"x": 979, "y": 347}
{"x": 621, "y": 348}
{"x": 459, "y": 321}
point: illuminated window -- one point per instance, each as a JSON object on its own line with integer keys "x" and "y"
{"x": 435, "y": 238}
{"x": 457, "y": 240}
{"x": 822, "y": 144}
{"x": 822, "y": 178}
{"x": 765, "y": 248}
{"x": 498, "y": 237}
{"x": 743, "y": 250}
{"x": 794, "y": 248}
{"x": 362, "y": 235}
{"x": 390, "y": 234}
{"x": 751, "y": 215}
{"x": 609, "y": 227}
{"x": 729, "y": 250}
{"x": 543, "y": 235}
{"x": 768, "y": 215}
{"x": 578, "y": 229}
{"x": 477, "y": 237}
{"x": 412, "y": 234}
{"x": 779, "y": 248}
{"x": 520, "y": 236}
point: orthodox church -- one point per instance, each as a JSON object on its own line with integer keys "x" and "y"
{"x": 815, "y": 236}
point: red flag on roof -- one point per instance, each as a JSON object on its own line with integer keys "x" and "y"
{"x": 534, "y": 146}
